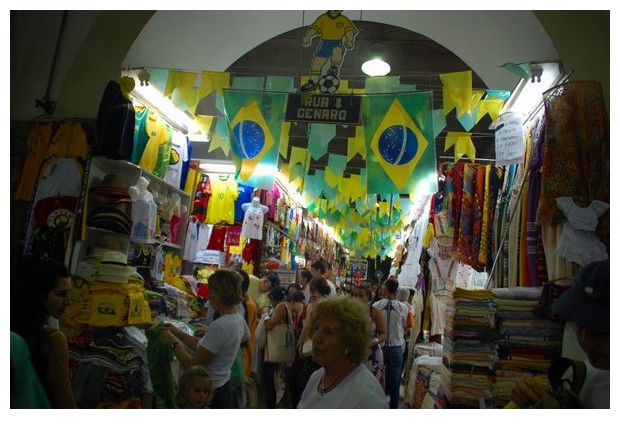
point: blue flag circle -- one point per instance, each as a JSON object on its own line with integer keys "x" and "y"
{"x": 398, "y": 144}
{"x": 249, "y": 139}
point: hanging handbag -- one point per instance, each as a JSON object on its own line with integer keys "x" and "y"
{"x": 280, "y": 344}
{"x": 306, "y": 350}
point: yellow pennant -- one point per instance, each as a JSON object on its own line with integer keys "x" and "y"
{"x": 463, "y": 145}
{"x": 476, "y": 96}
{"x": 213, "y": 81}
{"x": 182, "y": 82}
{"x": 332, "y": 179}
{"x": 457, "y": 91}
{"x": 286, "y": 171}
{"x": 286, "y": 126}
{"x": 357, "y": 144}
{"x": 218, "y": 141}
{"x": 492, "y": 107}
{"x": 204, "y": 123}
{"x": 384, "y": 208}
{"x": 298, "y": 156}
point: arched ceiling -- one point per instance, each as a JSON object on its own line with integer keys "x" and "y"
{"x": 421, "y": 45}
{"x": 214, "y": 40}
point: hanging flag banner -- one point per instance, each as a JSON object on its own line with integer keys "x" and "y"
{"x": 457, "y": 92}
{"x": 399, "y": 143}
{"x": 210, "y": 98}
{"x": 319, "y": 136}
{"x": 255, "y": 125}
{"x": 463, "y": 145}
{"x": 469, "y": 118}
{"x": 220, "y": 138}
{"x": 356, "y": 144}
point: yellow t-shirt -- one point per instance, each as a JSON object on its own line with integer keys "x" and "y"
{"x": 158, "y": 136}
{"x": 221, "y": 206}
{"x": 333, "y": 28}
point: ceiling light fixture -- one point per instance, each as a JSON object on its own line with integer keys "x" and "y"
{"x": 528, "y": 94}
{"x": 152, "y": 97}
{"x": 217, "y": 167}
{"x": 376, "y": 65}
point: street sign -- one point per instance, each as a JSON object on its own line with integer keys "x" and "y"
{"x": 331, "y": 109}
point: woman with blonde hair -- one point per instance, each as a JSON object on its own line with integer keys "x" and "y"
{"x": 218, "y": 348}
{"x": 340, "y": 343}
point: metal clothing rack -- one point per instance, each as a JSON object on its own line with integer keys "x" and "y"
{"x": 534, "y": 112}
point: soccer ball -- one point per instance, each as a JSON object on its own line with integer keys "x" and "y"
{"x": 329, "y": 84}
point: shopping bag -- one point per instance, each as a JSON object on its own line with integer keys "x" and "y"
{"x": 306, "y": 350}
{"x": 280, "y": 342}
{"x": 260, "y": 334}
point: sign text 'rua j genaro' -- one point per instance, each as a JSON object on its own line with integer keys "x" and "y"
{"x": 331, "y": 109}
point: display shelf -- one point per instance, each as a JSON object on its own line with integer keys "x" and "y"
{"x": 159, "y": 242}
{"x": 112, "y": 165}
{"x": 129, "y": 173}
{"x": 109, "y": 232}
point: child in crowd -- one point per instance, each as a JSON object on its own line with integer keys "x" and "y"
{"x": 195, "y": 388}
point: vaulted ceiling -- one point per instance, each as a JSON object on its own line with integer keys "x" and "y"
{"x": 416, "y": 59}
{"x": 421, "y": 45}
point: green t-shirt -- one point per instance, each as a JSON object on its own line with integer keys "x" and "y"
{"x": 26, "y": 388}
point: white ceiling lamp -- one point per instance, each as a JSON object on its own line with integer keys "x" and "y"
{"x": 376, "y": 65}
{"x": 217, "y": 167}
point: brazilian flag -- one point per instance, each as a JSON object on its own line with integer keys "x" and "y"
{"x": 398, "y": 131}
{"x": 255, "y": 122}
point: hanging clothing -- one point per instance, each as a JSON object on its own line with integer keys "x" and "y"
{"x": 576, "y": 146}
{"x": 116, "y": 120}
{"x": 224, "y": 192}
{"x": 36, "y": 143}
{"x": 155, "y": 136}
{"x": 244, "y": 196}
{"x": 463, "y": 236}
{"x": 178, "y": 159}
{"x": 253, "y": 221}
{"x": 443, "y": 282}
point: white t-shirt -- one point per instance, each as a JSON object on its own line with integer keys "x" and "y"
{"x": 307, "y": 293}
{"x": 332, "y": 288}
{"x": 396, "y": 322}
{"x": 360, "y": 389}
{"x": 253, "y": 221}
{"x": 223, "y": 339}
{"x": 596, "y": 388}
{"x": 178, "y": 156}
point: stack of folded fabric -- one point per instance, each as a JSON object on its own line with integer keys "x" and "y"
{"x": 111, "y": 205}
{"x": 527, "y": 343}
{"x": 105, "y": 368}
{"x": 470, "y": 350}
{"x": 425, "y": 378}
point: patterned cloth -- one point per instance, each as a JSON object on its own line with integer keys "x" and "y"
{"x": 486, "y": 217}
{"x": 464, "y": 237}
{"x": 577, "y": 146}
{"x": 478, "y": 217}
